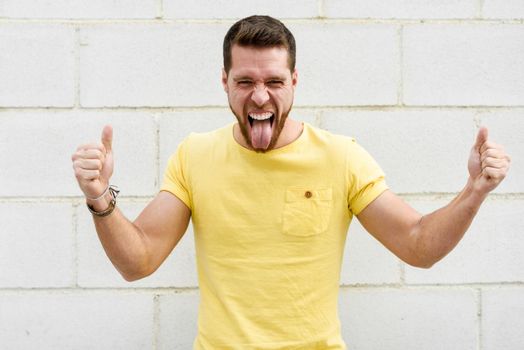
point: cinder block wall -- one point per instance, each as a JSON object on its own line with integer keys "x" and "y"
{"x": 411, "y": 80}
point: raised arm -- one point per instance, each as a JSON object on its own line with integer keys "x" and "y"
{"x": 422, "y": 240}
{"x": 136, "y": 248}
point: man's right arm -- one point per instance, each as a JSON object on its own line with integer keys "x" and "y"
{"x": 136, "y": 248}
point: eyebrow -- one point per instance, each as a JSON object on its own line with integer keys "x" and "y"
{"x": 245, "y": 77}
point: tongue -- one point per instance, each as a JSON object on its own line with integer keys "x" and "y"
{"x": 261, "y": 133}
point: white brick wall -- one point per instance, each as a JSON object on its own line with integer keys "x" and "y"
{"x": 65, "y": 320}
{"x": 400, "y": 9}
{"x": 463, "y": 64}
{"x": 410, "y": 80}
{"x": 409, "y": 318}
{"x": 37, "y": 65}
{"x": 221, "y": 9}
{"x": 99, "y": 9}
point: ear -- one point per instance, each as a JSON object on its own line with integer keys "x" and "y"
{"x": 224, "y": 80}
{"x": 294, "y": 78}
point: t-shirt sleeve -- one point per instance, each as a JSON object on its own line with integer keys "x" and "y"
{"x": 366, "y": 178}
{"x": 175, "y": 176}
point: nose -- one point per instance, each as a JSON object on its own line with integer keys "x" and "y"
{"x": 260, "y": 95}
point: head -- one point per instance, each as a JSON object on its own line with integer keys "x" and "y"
{"x": 259, "y": 78}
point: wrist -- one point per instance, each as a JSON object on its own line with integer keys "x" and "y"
{"x": 101, "y": 203}
{"x": 105, "y": 204}
{"x": 473, "y": 188}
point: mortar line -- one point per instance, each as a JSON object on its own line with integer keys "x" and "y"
{"x": 320, "y": 9}
{"x": 305, "y": 20}
{"x": 160, "y": 9}
{"x": 480, "y": 9}
{"x": 176, "y": 109}
{"x": 156, "y": 321}
{"x": 400, "y": 94}
{"x": 157, "y": 152}
{"x": 185, "y": 290}
{"x": 319, "y": 119}
{"x": 402, "y": 268}
{"x": 480, "y": 345}
{"x": 144, "y": 198}
{"x": 74, "y": 207}
{"x": 76, "y": 68}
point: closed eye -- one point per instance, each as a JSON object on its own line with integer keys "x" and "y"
{"x": 244, "y": 82}
{"x": 275, "y": 83}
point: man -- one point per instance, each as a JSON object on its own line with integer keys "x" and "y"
{"x": 271, "y": 200}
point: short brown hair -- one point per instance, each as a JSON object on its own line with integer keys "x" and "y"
{"x": 259, "y": 31}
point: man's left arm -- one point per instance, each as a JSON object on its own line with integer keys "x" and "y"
{"x": 422, "y": 240}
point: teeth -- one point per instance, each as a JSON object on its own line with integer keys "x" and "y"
{"x": 261, "y": 116}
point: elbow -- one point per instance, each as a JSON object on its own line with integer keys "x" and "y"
{"x": 422, "y": 264}
{"x": 136, "y": 271}
{"x": 132, "y": 276}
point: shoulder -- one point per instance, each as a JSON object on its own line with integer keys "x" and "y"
{"x": 198, "y": 142}
{"x": 328, "y": 139}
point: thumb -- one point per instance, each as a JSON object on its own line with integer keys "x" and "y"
{"x": 482, "y": 137}
{"x": 107, "y": 137}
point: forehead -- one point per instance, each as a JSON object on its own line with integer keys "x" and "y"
{"x": 247, "y": 60}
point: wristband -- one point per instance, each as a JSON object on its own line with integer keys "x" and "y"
{"x": 113, "y": 190}
{"x": 101, "y": 196}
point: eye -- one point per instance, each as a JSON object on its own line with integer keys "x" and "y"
{"x": 244, "y": 82}
{"x": 275, "y": 83}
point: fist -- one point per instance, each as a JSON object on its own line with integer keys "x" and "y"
{"x": 488, "y": 163}
{"x": 93, "y": 164}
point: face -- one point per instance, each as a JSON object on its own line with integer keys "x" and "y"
{"x": 260, "y": 89}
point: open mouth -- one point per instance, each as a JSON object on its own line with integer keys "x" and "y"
{"x": 261, "y": 117}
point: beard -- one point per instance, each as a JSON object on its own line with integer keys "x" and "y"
{"x": 279, "y": 122}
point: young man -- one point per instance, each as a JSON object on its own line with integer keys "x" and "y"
{"x": 270, "y": 218}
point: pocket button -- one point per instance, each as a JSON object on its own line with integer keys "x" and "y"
{"x": 308, "y": 194}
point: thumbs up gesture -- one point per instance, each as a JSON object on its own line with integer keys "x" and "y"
{"x": 488, "y": 163}
{"x": 93, "y": 164}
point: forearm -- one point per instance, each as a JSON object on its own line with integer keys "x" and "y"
{"x": 123, "y": 242}
{"x": 437, "y": 233}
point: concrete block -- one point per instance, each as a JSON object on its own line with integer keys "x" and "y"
{"x": 39, "y": 163}
{"x": 78, "y": 9}
{"x": 419, "y": 150}
{"x": 359, "y": 64}
{"x": 366, "y": 261}
{"x": 513, "y": 9}
{"x": 37, "y": 65}
{"x": 502, "y": 322}
{"x": 151, "y": 65}
{"x": 238, "y": 9}
{"x": 506, "y": 127}
{"x": 37, "y": 247}
{"x": 490, "y": 252}
{"x": 400, "y": 9}
{"x": 399, "y": 319}
{"x": 61, "y": 320}
{"x": 96, "y": 270}
{"x": 178, "y": 317}
{"x": 463, "y": 64}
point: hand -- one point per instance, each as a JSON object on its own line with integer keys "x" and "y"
{"x": 488, "y": 163}
{"x": 93, "y": 165}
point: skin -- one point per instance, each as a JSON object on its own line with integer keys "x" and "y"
{"x": 260, "y": 80}
{"x": 138, "y": 248}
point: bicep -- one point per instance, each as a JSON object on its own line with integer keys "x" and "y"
{"x": 393, "y": 223}
{"x": 163, "y": 223}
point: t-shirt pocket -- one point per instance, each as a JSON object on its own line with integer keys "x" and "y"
{"x": 307, "y": 211}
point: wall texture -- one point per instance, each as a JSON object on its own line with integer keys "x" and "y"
{"x": 410, "y": 79}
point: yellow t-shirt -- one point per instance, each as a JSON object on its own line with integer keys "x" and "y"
{"x": 270, "y": 230}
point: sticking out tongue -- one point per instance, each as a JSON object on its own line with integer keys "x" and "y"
{"x": 261, "y": 133}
